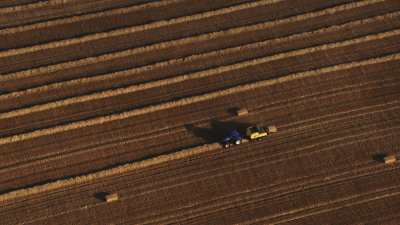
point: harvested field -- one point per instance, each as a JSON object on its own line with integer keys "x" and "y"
{"x": 112, "y": 111}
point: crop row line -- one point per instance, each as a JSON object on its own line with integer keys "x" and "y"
{"x": 89, "y": 16}
{"x": 59, "y": 156}
{"x": 203, "y": 37}
{"x": 221, "y": 53}
{"x": 17, "y": 8}
{"x": 124, "y": 168}
{"x": 188, "y": 40}
{"x": 149, "y": 26}
{"x": 190, "y": 76}
{"x": 257, "y": 196}
{"x": 197, "y": 98}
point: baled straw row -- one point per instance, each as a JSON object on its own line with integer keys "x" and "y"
{"x": 17, "y": 8}
{"x": 219, "y": 53}
{"x": 194, "y": 99}
{"x": 124, "y": 31}
{"x": 109, "y": 172}
{"x": 188, "y": 40}
{"x": 191, "y": 76}
{"x": 111, "y": 12}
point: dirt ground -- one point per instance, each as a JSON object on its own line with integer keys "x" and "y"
{"x": 133, "y": 97}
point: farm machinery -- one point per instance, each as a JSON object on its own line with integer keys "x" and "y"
{"x": 234, "y": 137}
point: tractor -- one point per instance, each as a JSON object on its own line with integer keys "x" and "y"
{"x": 255, "y": 132}
{"x": 232, "y": 137}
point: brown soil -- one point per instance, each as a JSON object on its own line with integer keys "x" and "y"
{"x": 133, "y": 98}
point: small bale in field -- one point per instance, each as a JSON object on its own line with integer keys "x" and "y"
{"x": 390, "y": 159}
{"x": 242, "y": 112}
{"x": 272, "y": 129}
{"x": 111, "y": 197}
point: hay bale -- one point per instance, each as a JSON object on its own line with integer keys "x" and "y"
{"x": 242, "y": 111}
{"x": 111, "y": 197}
{"x": 390, "y": 159}
{"x": 272, "y": 129}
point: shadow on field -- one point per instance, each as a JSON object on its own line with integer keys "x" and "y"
{"x": 217, "y": 129}
{"x": 101, "y": 195}
{"x": 379, "y": 157}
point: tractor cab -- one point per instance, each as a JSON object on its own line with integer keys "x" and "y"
{"x": 232, "y": 137}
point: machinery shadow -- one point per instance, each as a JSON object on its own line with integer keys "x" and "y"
{"x": 379, "y": 157}
{"x": 217, "y": 129}
{"x": 101, "y": 195}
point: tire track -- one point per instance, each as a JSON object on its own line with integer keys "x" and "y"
{"x": 100, "y": 144}
{"x": 192, "y": 76}
{"x": 218, "y": 53}
{"x": 149, "y": 26}
{"x": 42, "y": 145}
{"x": 48, "y": 10}
{"x": 257, "y": 198}
{"x": 198, "y": 98}
{"x": 31, "y": 6}
{"x": 141, "y": 99}
{"x": 349, "y": 201}
{"x": 159, "y": 46}
{"x": 263, "y": 108}
{"x": 93, "y": 15}
{"x": 137, "y": 13}
{"x": 136, "y": 196}
{"x": 70, "y": 117}
{"x": 13, "y": 3}
{"x": 95, "y": 205}
{"x": 115, "y": 171}
{"x": 120, "y": 153}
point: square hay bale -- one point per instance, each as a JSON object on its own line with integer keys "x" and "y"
{"x": 272, "y": 129}
{"x": 390, "y": 159}
{"x": 242, "y": 112}
{"x": 111, "y": 197}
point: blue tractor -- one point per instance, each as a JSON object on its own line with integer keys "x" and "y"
{"x": 232, "y": 137}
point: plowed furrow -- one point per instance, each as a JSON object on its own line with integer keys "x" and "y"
{"x": 214, "y": 72}
{"x": 343, "y": 129}
{"x": 39, "y": 33}
{"x": 154, "y": 25}
{"x": 206, "y": 177}
{"x": 55, "y": 9}
{"x": 255, "y": 200}
{"x": 161, "y": 70}
{"x": 384, "y": 211}
{"x": 14, "y": 3}
{"x": 348, "y": 199}
{"x": 193, "y": 43}
{"x": 103, "y": 136}
{"x": 105, "y": 155}
{"x": 272, "y": 106}
{"x": 198, "y": 98}
{"x": 146, "y": 39}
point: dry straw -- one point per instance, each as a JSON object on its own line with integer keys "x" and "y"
{"x": 194, "y": 99}
{"x": 90, "y": 16}
{"x": 191, "y": 76}
{"x": 189, "y": 40}
{"x": 36, "y": 5}
{"x": 219, "y": 53}
{"x": 109, "y": 172}
{"x": 124, "y": 31}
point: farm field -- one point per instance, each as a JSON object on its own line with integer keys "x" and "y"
{"x": 133, "y": 97}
